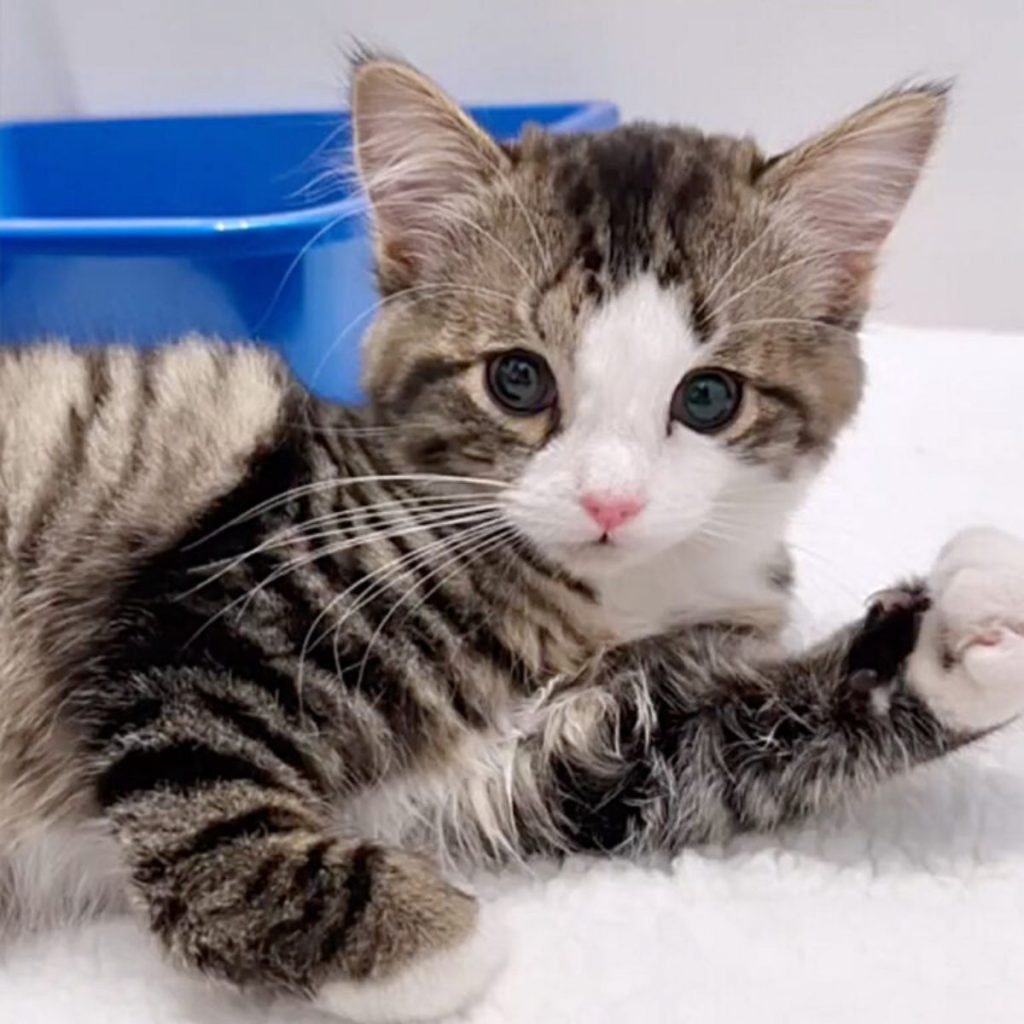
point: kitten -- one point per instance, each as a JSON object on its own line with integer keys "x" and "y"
{"x": 259, "y": 653}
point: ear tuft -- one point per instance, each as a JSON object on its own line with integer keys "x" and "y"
{"x": 850, "y": 184}
{"x": 418, "y": 154}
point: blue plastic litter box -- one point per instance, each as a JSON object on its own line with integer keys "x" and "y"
{"x": 142, "y": 230}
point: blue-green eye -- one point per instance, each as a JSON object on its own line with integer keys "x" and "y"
{"x": 706, "y": 400}
{"x": 521, "y": 382}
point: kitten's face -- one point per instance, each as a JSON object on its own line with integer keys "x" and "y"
{"x": 648, "y": 334}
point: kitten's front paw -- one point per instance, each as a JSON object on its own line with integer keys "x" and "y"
{"x": 431, "y": 987}
{"x": 968, "y": 663}
{"x": 434, "y": 951}
{"x": 887, "y": 636}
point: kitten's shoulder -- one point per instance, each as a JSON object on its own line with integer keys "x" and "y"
{"x": 236, "y": 391}
{"x": 154, "y": 433}
{"x": 217, "y": 383}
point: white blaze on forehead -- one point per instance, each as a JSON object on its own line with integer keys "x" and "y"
{"x": 631, "y": 357}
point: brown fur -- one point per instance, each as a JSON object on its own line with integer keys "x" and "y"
{"x": 183, "y": 658}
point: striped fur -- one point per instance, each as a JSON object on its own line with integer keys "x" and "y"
{"x": 262, "y": 655}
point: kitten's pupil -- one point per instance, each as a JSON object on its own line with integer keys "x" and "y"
{"x": 521, "y": 382}
{"x": 703, "y": 397}
{"x": 706, "y": 400}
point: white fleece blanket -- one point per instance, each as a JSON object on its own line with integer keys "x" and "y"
{"x": 909, "y": 909}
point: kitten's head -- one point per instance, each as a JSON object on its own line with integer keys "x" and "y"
{"x": 648, "y": 333}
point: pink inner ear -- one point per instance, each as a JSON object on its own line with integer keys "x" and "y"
{"x": 852, "y": 183}
{"x": 417, "y": 153}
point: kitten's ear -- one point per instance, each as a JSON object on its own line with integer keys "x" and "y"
{"x": 850, "y": 183}
{"x": 417, "y": 154}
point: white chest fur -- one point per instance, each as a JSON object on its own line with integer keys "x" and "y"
{"x": 695, "y": 583}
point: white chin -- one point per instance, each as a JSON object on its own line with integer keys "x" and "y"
{"x": 595, "y": 559}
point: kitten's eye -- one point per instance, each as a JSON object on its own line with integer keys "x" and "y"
{"x": 706, "y": 400}
{"x": 521, "y": 382}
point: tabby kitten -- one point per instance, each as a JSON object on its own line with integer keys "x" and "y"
{"x": 259, "y": 653}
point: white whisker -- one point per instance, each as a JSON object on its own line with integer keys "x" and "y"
{"x": 483, "y": 544}
{"x": 764, "y": 278}
{"x": 379, "y": 584}
{"x": 321, "y": 485}
{"x": 731, "y": 269}
{"x": 790, "y": 320}
{"x": 333, "y": 550}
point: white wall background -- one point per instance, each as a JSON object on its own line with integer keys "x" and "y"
{"x": 776, "y": 68}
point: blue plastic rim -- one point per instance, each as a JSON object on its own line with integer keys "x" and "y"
{"x": 142, "y": 230}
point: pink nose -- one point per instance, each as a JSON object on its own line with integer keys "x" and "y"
{"x": 611, "y": 512}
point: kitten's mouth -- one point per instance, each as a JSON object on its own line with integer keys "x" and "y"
{"x": 599, "y": 545}
{"x": 600, "y": 553}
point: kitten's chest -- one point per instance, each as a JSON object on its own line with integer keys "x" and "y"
{"x": 690, "y": 585}
{"x": 467, "y": 806}
{"x": 471, "y": 806}
{"x": 461, "y": 811}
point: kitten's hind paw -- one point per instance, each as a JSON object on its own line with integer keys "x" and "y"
{"x": 969, "y": 661}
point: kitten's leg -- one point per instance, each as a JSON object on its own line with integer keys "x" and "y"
{"x": 222, "y": 812}
{"x": 703, "y": 742}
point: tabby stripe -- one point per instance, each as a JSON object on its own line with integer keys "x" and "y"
{"x": 701, "y": 320}
{"x": 311, "y": 879}
{"x": 359, "y": 496}
{"x": 185, "y": 639}
{"x": 273, "y": 471}
{"x": 80, "y": 425}
{"x": 382, "y": 604}
{"x": 484, "y": 641}
{"x": 352, "y": 458}
{"x": 474, "y": 628}
{"x": 255, "y": 824}
{"x": 309, "y": 870}
{"x": 540, "y": 565}
{"x": 316, "y": 884}
{"x": 842, "y": 320}
{"x": 372, "y": 611}
{"x": 358, "y": 889}
{"x": 391, "y": 697}
{"x": 182, "y": 767}
{"x": 366, "y": 458}
{"x": 100, "y": 383}
{"x": 541, "y": 607}
{"x": 140, "y": 389}
{"x": 424, "y": 374}
{"x": 322, "y": 654}
{"x": 278, "y": 685}
{"x": 381, "y": 682}
{"x": 67, "y": 467}
{"x": 261, "y": 878}
{"x": 755, "y": 435}
{"x": 249, "y": 665}
{"x": 256, "y": 728}
{"x": 795, "y": 403}
{"x": 492, "y": 653}
{"x": 167, "y": 914}
{"x": 460, "y": 627}
{"x": 133, "y": 717}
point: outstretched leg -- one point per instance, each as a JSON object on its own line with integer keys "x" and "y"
{"x": 689, "y": 739}
{"x": 221, "y": 806}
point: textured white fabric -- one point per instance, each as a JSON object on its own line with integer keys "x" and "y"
{"x": 909, "y": 908}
